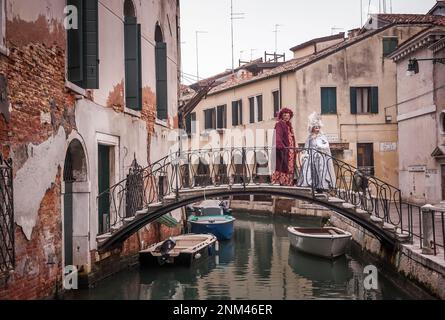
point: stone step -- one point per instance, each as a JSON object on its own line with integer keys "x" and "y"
{"x": 155, "y": 205}
{"x": 115, "y": 229}
{"x": 129, "y": 220}
{"x": 142, "y": 212}
{"x": 336, "y": 200}
{"x": 103, "y": 237}
{"x": 170, "y": 197}
{"x": 402, "y": 237}
{"x": 361, "y": 211}
{"x": 389, "y": 227}
{"x": 348, "y": 205}
{"x": 377, "y": 220}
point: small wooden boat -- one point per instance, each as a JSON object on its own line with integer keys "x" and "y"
{"x": 181, "y": 250}
{"x": 211, "y": 216}
{"x": 324, "y": 242}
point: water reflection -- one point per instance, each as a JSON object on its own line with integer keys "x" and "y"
{"x": 257, "y": 264}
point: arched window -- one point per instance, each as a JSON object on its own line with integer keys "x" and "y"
{"x": 161, "y": 75}
{"x": 133, "y": 59}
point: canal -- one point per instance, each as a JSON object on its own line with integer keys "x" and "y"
{"x": 257, "y": 263}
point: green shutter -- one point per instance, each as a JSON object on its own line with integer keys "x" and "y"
{"x": 252, "y": 109}
{"x": 234, "y": 113}
{"x": 324, "y": 101}
{"x": 260, "y": 108}
{"x": 240, "y": 108}
{"x": 374, "y": 100}
{"x": 161, "y": 80}
{"x": 132, "y": 64}
{"x": 328, "y": 100}
{"x": 353, "y": 97}
{"x": 389, "y": 45}
{"x": 90, "y": 43}
{"x": 75, "y": 46}
{"x": 276, "y": 103}
{"x": 221, "y": 114}
{"x": 333, "y": 101}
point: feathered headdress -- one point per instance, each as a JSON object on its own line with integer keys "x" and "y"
{"x": 314, "y": 120}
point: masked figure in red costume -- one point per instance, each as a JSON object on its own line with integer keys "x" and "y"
{"x": 285, "y": 149}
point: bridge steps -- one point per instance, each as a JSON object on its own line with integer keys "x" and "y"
{"x": 336, "y": 200}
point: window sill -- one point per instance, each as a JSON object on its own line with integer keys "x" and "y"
{"x": 132, "y": 113}
{"x": 162, "y": 123}
{"x": 4, "y": 51}
{"x": 75, "y": 88}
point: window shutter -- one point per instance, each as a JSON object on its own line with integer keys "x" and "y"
{"x": 234, "y": 113}
{"x": 374, "y": 99}
{"x": 132, "y": 64}
{"x": 389, "y": 45}
{"x": 324, "y": 101}
{"x": 221, "y": 117}
{"x": 252, "y": 109}
{"x": 333, "y": 101}
{"x": 276, "y": 103}
{"x": 75, "y": 46}
{"x": 353, "y": 97}
{"x": 90, "y": 43}
{"x": 240, "y": 108}
{"x": 161, "y": 80}
{"x": 260, "y": 108}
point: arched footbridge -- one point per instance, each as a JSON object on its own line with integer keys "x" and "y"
{"x": 183, "y": 178}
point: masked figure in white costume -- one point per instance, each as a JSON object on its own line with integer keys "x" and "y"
{"x": 317, "y": 170}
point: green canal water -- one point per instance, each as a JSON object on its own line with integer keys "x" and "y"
{"x": 258, "y": 263}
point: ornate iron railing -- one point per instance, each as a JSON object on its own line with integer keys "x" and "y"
{"x": 7, "y": 251}
{"x": 243, "y": 166}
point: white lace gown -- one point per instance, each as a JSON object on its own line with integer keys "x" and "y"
{"x": 317, "y": 169}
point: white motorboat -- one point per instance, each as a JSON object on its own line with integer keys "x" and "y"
{"x": 181, "y": 250}
{"x": 326, "y": 242}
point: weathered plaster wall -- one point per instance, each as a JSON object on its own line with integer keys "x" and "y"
{"x": 419, "y": 112}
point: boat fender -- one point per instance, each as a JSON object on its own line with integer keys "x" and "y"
{"x": 198, "y": 256}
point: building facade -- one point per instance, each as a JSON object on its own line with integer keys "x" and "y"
{"x": 421, "y": 105}
{"x": 89, "y": 88}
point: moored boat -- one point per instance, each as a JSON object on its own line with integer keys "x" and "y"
{"x": 181, "y": 250}
{"x": 326, "y": 242}
{"x": 211, "y": 216}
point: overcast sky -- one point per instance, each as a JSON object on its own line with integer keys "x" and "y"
{"x": 300, "y": 20}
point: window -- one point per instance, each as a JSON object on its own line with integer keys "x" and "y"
{"x": 276, "y": 102}
{"x": 328, "y": 100}
{"x": 209, "y": 119}
{"x": 221, "y": 117}
{"x": 364, "y": 100}
{"x": 7, "y": 257}
{"x": 389, "y": 45}
{"x": 133, "y": 65}
{"x": 2, "y": 23}
{"x": 83, "y": 48}
{"x": 190, "y": 123}
{"x": 365, "y": 158}
{"x": 256, "y": 109}
{"x": 237, "y": 113}
{"x": 161, "y": 75}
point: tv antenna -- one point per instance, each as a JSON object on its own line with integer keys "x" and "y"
{"x": 234, "y": 16}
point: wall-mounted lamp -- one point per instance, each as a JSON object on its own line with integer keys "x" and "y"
{"x": 413, "y": 65}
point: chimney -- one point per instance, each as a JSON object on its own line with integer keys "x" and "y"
{"x": 353, "y": 33}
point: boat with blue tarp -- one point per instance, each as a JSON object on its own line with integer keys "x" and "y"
{"x": 214, "y": 217}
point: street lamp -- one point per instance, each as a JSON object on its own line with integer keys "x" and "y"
{"x": 413, "y": 65}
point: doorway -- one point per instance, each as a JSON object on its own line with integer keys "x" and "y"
{"x": 74, "y": 198}
{"x": 365, "y": 158}
{"x": 104, "y": 178}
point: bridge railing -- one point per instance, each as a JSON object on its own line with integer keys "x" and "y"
{"x": 243, "y": 166}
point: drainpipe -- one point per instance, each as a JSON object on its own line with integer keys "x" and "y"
{"x": 281, "y": 96}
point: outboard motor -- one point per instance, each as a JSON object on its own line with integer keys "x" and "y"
{"x": 167, "y": 246}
